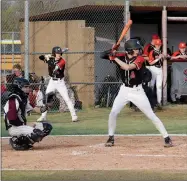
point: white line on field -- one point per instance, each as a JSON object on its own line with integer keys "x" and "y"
{"x": 142, "y": 155}
{"x": 125, "y": 135}
{"x": 66, "y": 169}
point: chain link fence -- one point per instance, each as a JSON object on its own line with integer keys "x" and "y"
{"x": 86, "y": 27}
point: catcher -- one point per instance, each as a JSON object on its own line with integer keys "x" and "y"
{"x": 16, "y": 109}
{"x": 56, "y": 67}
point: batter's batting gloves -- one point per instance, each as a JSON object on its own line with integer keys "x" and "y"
{"x": 115, "y": 47}
{"x": 48, "y": 56}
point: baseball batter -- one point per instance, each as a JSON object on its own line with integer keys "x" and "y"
{"x": 130, "y": 65}
{"x": 156, "y": 62}
{"x": 56, "y": 67}
{"x": 15, "y": 111}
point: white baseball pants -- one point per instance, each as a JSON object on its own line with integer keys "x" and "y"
{"x": 60, "y": 86}
{"x": 137, "y": 96}
{"x": 157, "y": 77}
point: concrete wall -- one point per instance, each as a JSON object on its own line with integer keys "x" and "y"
{"x": 72, "y": 34}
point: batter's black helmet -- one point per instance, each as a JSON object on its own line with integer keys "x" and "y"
{"x": 132, "y": 44}
{"x": 56, "y": 50}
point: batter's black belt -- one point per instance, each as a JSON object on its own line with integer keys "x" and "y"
{"x": 158, "y": 66}
{"x": 55, "y": 78}
{"x": 130, "y": 85}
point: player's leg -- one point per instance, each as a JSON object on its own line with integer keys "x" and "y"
{"x": 159, "y": 85}
{"x": 120, "y": 101}
{"x": 141, "y": 101}
{"x": 23, "y": 137}
{"x": 50, "y": 88}
{"x": 153, "y": 80}
{"x": 62, "y": 89}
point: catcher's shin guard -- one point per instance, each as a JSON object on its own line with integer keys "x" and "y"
{"x": 110, "y": 141}
{"x": 168, "y": 142}
{"x": 18, "y": 145}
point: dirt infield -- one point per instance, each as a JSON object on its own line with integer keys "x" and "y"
{"x": 89, "y": 153}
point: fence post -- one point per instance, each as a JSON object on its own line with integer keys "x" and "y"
{"x": 164, "y": 38}
{"x": 127, "y": 17}
{"x": 26, "y": 53}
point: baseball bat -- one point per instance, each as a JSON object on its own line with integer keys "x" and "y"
{"x": 124, "y": 32}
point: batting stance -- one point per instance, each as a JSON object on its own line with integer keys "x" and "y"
{"x": 15, "y": 111}
{"x": 131, "y": 65}
{"x": 56, "y": 67}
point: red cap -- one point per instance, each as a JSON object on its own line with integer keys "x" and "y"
{"x": 182, "y": 45}
{"x": 158, "y": 42}
{"x": 155, "y": 36}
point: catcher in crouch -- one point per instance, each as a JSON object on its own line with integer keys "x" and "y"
{"x": 131, "y": 70}
{"x": 16, "y": 109}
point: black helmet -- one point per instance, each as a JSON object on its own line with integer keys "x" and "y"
{"x": 20, "y": 82}
{"x": 56, "y": 50}
{"x": 132, "y": 44}
{"x": 141, "y": 40}
{"x": 17, "y": 86}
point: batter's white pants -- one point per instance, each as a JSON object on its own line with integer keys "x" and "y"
{"x": 60, "y": 86}
{"x": 137, "y": 96}
{"x": 157, "y": 77}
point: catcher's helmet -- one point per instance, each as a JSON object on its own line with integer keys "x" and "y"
{"x": 20, "y": 82}
{"x": 56, "y": 50}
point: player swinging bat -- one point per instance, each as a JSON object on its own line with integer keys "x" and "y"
{"x": 131, "y": 66}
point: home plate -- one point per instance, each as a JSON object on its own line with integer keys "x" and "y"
{"x": 78, "y": 152}
{"x": 97, "y": 145}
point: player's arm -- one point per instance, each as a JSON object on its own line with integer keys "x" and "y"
{"x": 124, "y": 65}
{"x": 176, "y": 55}
{"x": 152, "y": 59}
{"x": 137, "y": 64}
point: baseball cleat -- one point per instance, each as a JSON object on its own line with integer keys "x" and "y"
{"x": 168, "y": 142}
{"x": 75, "y": 119}
{"x": 41, "y": 119}
{"x": 110, "y": 141}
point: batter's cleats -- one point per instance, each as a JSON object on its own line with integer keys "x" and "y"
{"x": 75, "y": 119}
{"x": 159, "y": 107}
{"x": 110, "y": 141}
{"x": 168, "y": 142}
{"x": 41, "y": 118}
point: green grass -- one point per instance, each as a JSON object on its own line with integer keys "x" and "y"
{"x": 92, "y": 175}
{"x": 95, "y": 121}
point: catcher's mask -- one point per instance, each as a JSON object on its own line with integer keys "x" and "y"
{"x": 21, "y": 85}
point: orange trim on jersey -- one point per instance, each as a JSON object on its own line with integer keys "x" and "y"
{"x": 151, "y": 56}
{"x": 138, "y": 62}
{"x": 145, "y": 51}
{"x": 61, "y": 63}
{"x": 176, "y": 54}
{"x": 119, "y": 54}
